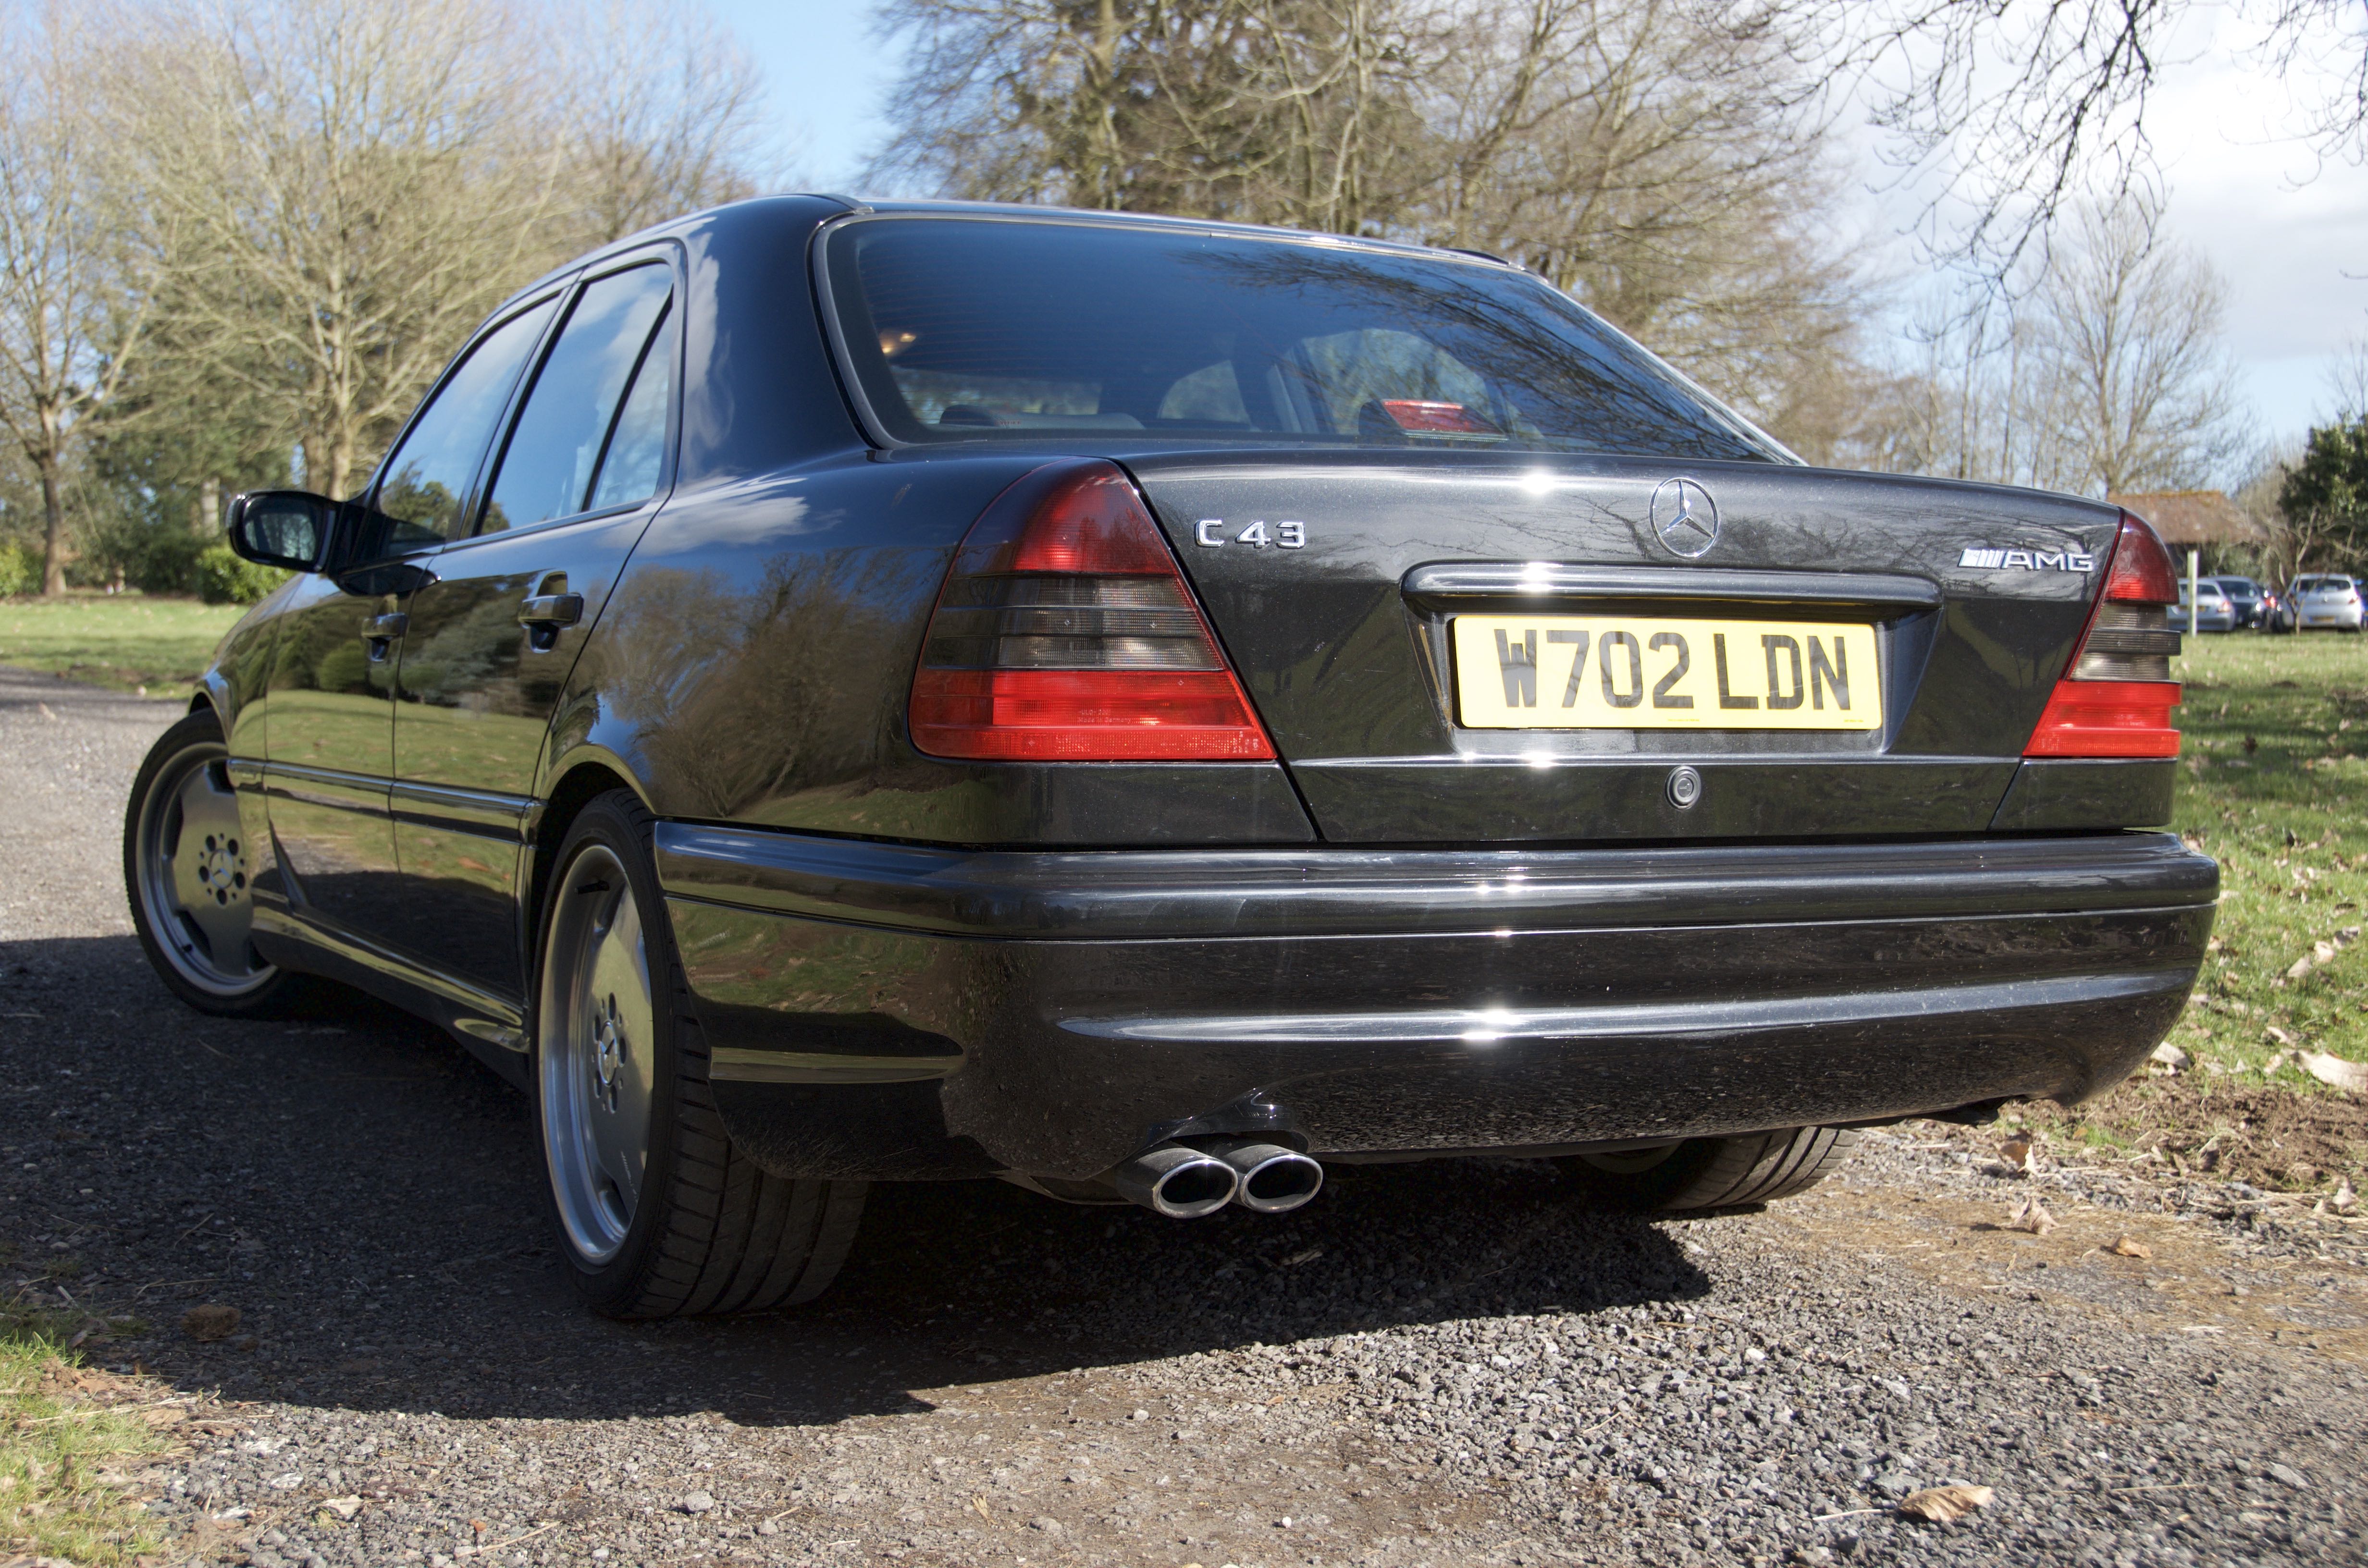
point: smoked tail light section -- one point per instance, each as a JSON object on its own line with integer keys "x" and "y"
{"x": 2116, "y": 698}
{"x": 1065, "y": 632}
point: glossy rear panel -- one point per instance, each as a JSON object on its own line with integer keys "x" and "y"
{"x": 754, "y": 663}
{"x": 1343, "y": 641}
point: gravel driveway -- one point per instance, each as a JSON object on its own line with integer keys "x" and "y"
{"x": 1439, "y": 1364}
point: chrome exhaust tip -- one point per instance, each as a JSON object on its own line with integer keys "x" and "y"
{"x": 1271, "y": 1179}
{"x": 1182, "y": 1183}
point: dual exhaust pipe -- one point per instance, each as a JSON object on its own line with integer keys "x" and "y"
{"x": 1184, "y": 1182}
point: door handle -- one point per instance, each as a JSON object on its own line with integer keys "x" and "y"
{"x": 551, "y": 609}
{"x": 381, "y": 630}
{"x": 545, "y": 614}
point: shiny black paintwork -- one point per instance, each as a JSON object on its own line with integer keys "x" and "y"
{"x": 1057, "y": 1010}
{"x": 741, "y": 662}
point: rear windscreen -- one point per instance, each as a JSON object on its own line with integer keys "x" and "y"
{"x": 965, "y": 329}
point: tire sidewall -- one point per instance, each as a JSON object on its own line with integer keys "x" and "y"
{"x": 618, "y": 823}
{"x": 201, "y": 727}
{"x": 1646, "y": 1191}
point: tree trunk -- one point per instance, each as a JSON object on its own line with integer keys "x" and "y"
{"x": 53, "y": 528}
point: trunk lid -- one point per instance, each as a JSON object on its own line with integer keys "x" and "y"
{"x": 1337, "y": 580}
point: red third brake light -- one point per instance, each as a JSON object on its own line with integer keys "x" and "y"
{"x": 2116, "y": 696}
{"x": 1064, "y": 632}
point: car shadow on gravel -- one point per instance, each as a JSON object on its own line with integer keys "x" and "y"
{"x": 369, "y": 1197}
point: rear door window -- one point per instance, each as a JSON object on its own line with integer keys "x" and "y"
{"x": 635, "y": 463}
{"x": 971, "y": 329}
{"x": 571, "y": 415}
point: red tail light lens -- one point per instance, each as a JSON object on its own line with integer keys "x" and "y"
{"x": 2115, "y": 699}
{"x": 1065, "y": 632}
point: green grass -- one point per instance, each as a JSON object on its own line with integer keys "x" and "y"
{"x": 66, "y": 1453}
{"x": 124, "y": 641}
{"x": 2273, "y": 784}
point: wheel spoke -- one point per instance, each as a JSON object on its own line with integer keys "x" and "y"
{"x": 210, "y": 869}
{"x": 621, "y": 987}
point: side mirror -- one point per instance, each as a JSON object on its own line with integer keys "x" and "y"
{"x": 283, "y": 527}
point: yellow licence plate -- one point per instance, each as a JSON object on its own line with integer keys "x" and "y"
{"x": 1586, "y": 672}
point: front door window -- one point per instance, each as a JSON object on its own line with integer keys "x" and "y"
{"x": 423, "y": 486}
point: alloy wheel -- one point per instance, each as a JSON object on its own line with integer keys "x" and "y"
{"x": 596, "y": 1062}
{"x": 192, "y": 870}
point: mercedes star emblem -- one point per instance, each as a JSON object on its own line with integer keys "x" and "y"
{"x": 1685, "y": 517}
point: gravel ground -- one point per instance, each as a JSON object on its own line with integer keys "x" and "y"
{"x": 1445, "y": 1364}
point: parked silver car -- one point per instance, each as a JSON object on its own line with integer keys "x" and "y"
{"x": 2320, "y": 603}
{"x": 2213, "y": 611}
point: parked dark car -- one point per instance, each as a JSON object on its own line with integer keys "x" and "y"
{"x": 2246, "y": 601}
{"x": 1146, "y": 710}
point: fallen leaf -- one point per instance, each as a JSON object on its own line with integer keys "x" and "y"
{"x": 2350, "y": 1077}
{"x": 2345, "y": 1199}
{"x": 344, "y": 1507}
{"x": 1944, "y": 1505}
{"x": 2279, "y": 1035}
{"x": 2297, "y": 969}
{"x": 2016, "y": 1153}
{"x": 2030, "y": 1215}
{"x": 2123, "y": 1246}
{"x": 2170, "y": 1056}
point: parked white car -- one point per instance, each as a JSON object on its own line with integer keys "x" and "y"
{"x": 2323, "y": 603}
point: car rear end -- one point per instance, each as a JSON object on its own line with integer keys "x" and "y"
{"x": 2327, "y": 603}
{"x": 1655, "y": 786}
{"x": 2213, "y": 611}
{"x": 2245, "y": 599}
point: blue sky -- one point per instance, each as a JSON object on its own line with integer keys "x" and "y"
{"x": 827, "y": 75}
{"x": 2288, "y": 231}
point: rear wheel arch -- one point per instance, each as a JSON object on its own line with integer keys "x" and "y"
{"x": 576, "y": 787}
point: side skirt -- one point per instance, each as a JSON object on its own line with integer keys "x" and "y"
{"x": 493, "y": 1028}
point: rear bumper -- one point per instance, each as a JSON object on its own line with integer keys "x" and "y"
{"x": 888, "y": 1010}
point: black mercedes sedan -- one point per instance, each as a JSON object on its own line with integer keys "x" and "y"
{"x": 1147, "y": 709}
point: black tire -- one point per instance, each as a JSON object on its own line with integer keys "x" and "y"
{"x": 1715, "y": 1172}
{"x": 208, "y": 961}
{"x": 709, "y": 1231}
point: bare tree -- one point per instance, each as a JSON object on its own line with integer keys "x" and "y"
{"x": 2346, "y": 380}
{"x": 2033, "y": 106}
{"x": 1663, "y": 163}
{"x": 2100, "y": 371}
{"x": 2129, "y": 347}
{"x": 1282, "y": 111}
{"x": 663, "y": 116}
{"x": 347, "y": 187}
{"x": 70, "y": 314}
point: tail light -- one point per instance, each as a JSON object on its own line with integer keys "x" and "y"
{"x": 1066, "y": 633}
{"x": 2115, "y": 700}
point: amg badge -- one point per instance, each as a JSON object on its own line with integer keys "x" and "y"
{"x": 2029, "y": 560}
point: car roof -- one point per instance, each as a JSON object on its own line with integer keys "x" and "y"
{"x": 804, "y": 205}
{"x": 1153, "y": 221}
